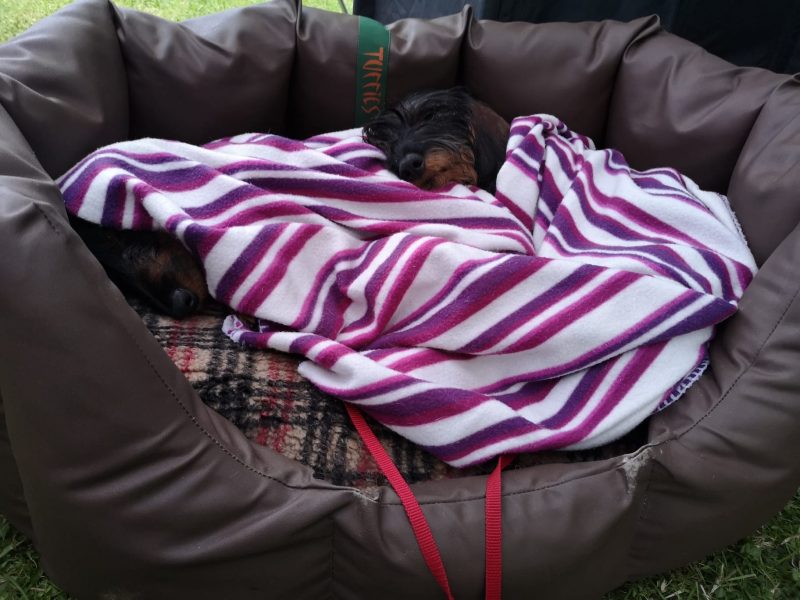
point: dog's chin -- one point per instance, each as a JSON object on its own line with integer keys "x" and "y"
{"x": 441, "y": 182}
{"x": 444, "y": 168}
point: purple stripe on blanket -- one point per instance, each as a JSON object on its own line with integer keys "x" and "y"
{"x": 474, "y": 297}
{"x": 532, "y": 392}
{"x": 246, "y": 261}
{"x": 515, "y": 429}
{"x": 447, "y": 287}
{"x": 114, "y": 206}
{"x": 232, "y": 199}
{"x": 425, "y": 357}
{"x": 507, "y": 430}
{"x": 333, "y": 303}
{"x": 587, "y": 387}
{"x": 356, "y": 393}
{"x": 376, "y": 320}
{"x": 201, "y": 240}
{"x": 641, "y": 361}
{"x": 602, "y": 350}
{"x": 575, "y": 312}
{"x": 264, "y": 285}
{"x": 545, "y": 301}
{"x": 178, "y": 179}
{"x": 659, "y": 229}
{"x": 89, "y": 168}
{"x": 658, "y": 257}
{"x": 424, "y": 407}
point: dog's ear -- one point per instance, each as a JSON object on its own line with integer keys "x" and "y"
{"x": 490, "y": 134}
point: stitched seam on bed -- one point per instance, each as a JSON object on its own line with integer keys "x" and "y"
{"x": 50, "y": 222}
{"x": 772, "y": 93}
{"x": 482, "y": 498}
{"x": 640, "y": 518}
{"x": 643, "y": 33}
{"x": 205, "y": 432}
{"x": 746, "y": 369}
{"x": 116, "y": 25}
{"x": 332, "y": 585}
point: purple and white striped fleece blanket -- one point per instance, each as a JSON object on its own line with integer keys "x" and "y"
{"x": 558, "y": 313}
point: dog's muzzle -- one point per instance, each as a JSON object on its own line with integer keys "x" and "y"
{"x": 411, "y": 166}
{"x": 182, "y": 303}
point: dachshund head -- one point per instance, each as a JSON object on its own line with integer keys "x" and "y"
{"x": 432, "y": 139}
{"x": 151, "y": 264}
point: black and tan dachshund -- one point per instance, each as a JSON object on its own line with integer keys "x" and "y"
{"x": 435, "y": 138}
{"x": 430, "y": 139}
{"x": 151, "y": 264}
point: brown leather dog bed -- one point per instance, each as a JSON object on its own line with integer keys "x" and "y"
{"x": 130, "y": 486}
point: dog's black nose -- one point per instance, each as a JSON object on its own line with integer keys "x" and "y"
{"x": 183, "y": 302}
{"x": 411, "y": 166}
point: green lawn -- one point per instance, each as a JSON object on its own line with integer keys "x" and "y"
{"x": 18, "y": 15}
{"x": 765, "y": 565}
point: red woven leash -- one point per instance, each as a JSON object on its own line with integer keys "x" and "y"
{"x": 419, "y": 525}
{"x": 494, "y": 529}
{"x": 422, "y": 531}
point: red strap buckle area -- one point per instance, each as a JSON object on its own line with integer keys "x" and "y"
{"x": 419, "y": 525}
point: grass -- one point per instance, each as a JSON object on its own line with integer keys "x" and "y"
{"x": 17, "y": 15}
{"x": 764, "y": 566}
{"x": 21, "y": 575}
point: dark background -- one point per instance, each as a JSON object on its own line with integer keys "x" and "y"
{"x": 745, "y": 32}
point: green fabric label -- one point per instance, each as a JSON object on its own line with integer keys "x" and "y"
{"x": 373, "y": 68}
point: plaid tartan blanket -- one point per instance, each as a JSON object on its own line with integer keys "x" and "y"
{"x": 264, "y": 396}
{"x": 558, "y": 313}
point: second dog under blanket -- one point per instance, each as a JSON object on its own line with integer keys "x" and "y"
{"x": 558, "y": 313}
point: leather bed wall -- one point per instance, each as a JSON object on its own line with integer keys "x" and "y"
{"x": 131, "y": 487}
